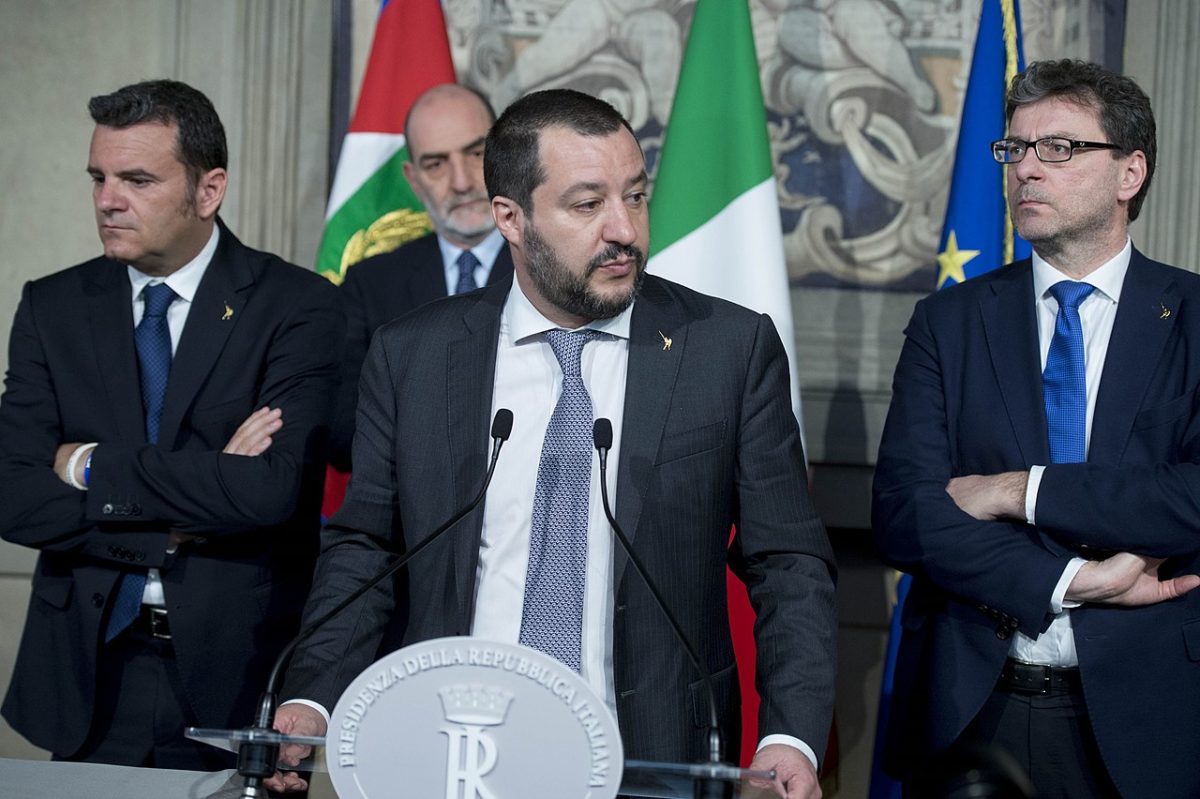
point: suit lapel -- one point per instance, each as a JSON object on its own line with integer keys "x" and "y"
{"x": 110, "y": 316}
{"x": 1146, "y": 315}
{"x": 216, "y": 310}
{"x": 1010, "y": 326}
{"x": 649, "y": 384}
{"x": 470, "y": 370}
{"x": 428, "y": 279}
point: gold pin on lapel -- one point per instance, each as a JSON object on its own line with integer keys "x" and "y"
{"x": 225, "y": 317}
{"x": 1166, "y": 312}
{"x": 666, "y": 341}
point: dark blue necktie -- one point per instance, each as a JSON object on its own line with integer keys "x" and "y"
{"x": 152, "y": 339}
{"x": 1064, "y": 381}
{"x": 467, "y": 263}
{"x": 552, "y": 615}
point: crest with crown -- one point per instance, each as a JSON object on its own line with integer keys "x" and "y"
{"x": 475, "y": 704}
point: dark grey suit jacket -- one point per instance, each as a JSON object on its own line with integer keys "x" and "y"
{"x": 260, "y": 332}
{"x": 375, "y": 292}
{"x": 709, "y": 441}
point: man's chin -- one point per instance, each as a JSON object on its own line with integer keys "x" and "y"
{"x": 470, "y": 229}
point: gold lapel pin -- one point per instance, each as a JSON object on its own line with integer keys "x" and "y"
{"x": 1166, "y": 312}
{"x": 666, "y": 341}
{"x": 225, "y": 317}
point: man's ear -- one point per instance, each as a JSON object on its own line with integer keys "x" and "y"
{"x": 1133, "y": 175}
{"x": 210, "y": 192}
{"x": 510, "y": 219}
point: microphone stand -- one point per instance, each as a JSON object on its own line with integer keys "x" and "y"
{"x": 256, "y": 761}
{"x": 602, "y": 437}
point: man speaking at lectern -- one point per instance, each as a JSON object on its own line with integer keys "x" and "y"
{"x": 705, "y": 438}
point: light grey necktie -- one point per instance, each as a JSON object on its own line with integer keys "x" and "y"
{"x": 552, "y": 615}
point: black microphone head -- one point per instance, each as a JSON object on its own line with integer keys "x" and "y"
{"x": 602, "y": 433}
{"x": 502, "y": 424}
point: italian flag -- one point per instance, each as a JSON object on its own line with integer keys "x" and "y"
{"x": 371, "y": 207}
{"x": 714, "y": 225}
{"x": 714, "y": 213}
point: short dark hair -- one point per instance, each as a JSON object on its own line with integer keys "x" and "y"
{"x": 1123, "y": 108}
{"x": 512, "y": 164}
{"x": 200, "y": 141}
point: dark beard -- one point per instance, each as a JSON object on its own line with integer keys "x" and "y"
{"x": 572, "y": 293}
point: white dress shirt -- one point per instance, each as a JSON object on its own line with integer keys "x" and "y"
{"x": 528, "y": 382}
{"x": 184, "y": 282}
{"x": 1097, "y": 312}
{"x": 486, "y": 251}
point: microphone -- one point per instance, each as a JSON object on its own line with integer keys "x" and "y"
{"x": 256, "y": 761}
{"x": 602, "y": 437}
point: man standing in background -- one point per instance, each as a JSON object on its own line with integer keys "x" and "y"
{"x": 1039, "y": 470}
{"x": 445, "y": 131}
{"x": 161, "y": 439}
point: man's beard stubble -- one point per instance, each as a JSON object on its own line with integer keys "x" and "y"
{"x": 573, "y": 293}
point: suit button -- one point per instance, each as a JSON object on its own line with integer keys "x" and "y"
{"x": 97, "y": 600}
{"x": 1002, "y": 633}
{"x": 141, "y": 556}
{"x": 135, "y": 509}
{"x": 107, "y": 510}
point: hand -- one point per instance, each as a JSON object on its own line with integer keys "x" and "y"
{"x": 990, "y": 496}
{"x": 294, "y": 719}
{"x": 253, "y": 437}
{"x": 1127, "y": 579}
{"x": 795, "y": 777}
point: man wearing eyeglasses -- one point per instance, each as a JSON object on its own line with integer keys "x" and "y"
{"x": 1039, "y": 473}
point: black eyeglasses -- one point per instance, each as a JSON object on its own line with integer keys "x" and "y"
{"x": 1050, "y": 150}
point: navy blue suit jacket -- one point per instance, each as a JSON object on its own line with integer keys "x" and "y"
{"x": 259, "y": 332}
{"x": 968, "y": 400}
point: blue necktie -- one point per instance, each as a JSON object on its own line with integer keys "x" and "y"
{"x": 152, "y": 339}
{"x": 1064, "y": 381}
{"x": 552, "y": 616}
{"x": 467, "y": 263}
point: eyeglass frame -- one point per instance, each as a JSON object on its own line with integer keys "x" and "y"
{"x": 1000, "y": 149}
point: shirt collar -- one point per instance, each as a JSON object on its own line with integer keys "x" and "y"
{"x": 1108, "y": 279}
{"x": 185, "y": 280}
{"x": 524, "y": 321}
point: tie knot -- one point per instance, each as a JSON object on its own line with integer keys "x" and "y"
{"x": 568, "y": 346}
{"x": 1070, "y": 293}
{"x": 467, "y": 260}
{"x": 157, "y": 298}
{"x": 467, "y": 263}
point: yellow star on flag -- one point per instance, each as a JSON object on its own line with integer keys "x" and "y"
{"x": 952, "y": 261}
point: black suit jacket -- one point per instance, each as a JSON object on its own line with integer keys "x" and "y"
{"x": 375, "y": 292}
{"x": 709, "y": 440}
{"x": 968, "y": 400}
{"x": 259, "y": 332}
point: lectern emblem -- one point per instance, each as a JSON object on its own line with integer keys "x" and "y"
{"x": 467, "y": 718}
{"x": 471, "y": 752}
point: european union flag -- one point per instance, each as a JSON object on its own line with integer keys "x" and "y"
{"x": 977, "y": 237}
{"x": 978, "y": 234}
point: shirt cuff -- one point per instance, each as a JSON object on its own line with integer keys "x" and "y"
{"x": 1058, "y": 601}
{"x": 795, "y": 743}
{"x": 309, "y": 703}
{"x": 1031, "y": 492}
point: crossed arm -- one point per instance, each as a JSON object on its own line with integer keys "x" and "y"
{"x": 1124, "y": 578}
